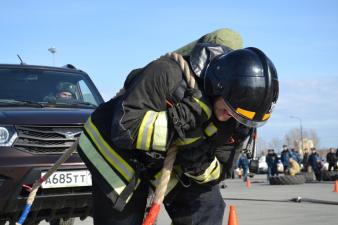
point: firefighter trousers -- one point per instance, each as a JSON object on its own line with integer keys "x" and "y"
{"x": 195, "y": 205}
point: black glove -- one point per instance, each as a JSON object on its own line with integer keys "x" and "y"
{"x": 195, "y": 160}
{"x": 187, "y": 114}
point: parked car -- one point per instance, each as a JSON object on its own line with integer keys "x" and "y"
{"x": 37, "y": 124}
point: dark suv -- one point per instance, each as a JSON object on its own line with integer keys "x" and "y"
{"x": 42, "y": 112}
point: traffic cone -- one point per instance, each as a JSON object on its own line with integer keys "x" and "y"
{"x": 336, "y": 187}
{"x": 232, "y": 216}
{"x": 248, "y": 183}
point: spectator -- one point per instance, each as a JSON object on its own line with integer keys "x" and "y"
{"x": 243, "y": 163}
{"x": 296, "y": 156}
{"x": 285, "y": 155}
{"x": 315, "y": 163}
{"x": 272, "y": 161}
{"x": 331, "y": 158}
{"x": 306, "y": 159}
{"x": 294, "y": 167}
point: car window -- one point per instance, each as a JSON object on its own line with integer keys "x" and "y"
{"x": 48, "y": 87}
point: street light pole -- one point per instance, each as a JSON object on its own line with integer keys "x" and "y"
{"x": 53, "y": 51}
{"x": 301, "y": 130}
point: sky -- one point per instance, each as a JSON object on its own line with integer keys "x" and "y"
{"x": 108, "y": 39}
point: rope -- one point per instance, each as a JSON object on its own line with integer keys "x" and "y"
{"x": 171, "y": 154}
{"x": 184, "y": 67}
{"x": 38, "y": 183}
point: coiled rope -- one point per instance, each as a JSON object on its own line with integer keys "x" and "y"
{"x": 171, "y": 153}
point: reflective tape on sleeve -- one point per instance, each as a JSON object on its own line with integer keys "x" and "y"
{"x": 146, "y": 130}
{"x": 211, "y": 173}
{"x": 210, "y": 130}
{"x": 160, "y": 132}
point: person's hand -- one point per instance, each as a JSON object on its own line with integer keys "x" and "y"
{"x": 195, "y": 160}
{"x": 187, "y": 114}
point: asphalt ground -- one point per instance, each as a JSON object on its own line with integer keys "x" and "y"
{"x": 270, "y": 205}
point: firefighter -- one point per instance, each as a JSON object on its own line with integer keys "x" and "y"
{"x": 125, "y": 139}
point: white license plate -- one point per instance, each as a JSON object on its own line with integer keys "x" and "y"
{"x": 68, "y": 178}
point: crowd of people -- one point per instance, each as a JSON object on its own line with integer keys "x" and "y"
{"x": 293, "y": 162}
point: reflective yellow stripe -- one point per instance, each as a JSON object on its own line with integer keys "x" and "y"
{"x": 160, "y": 132}
{"x": 101, "y": 165}
{"x": 246, "y": 113}
{"x": 109, "y": 154}
{"x": 205, "y": 108}
{"x": 185, "y": 141}
{"x": 211, "y": 173}
{"x": 146, "y": 130}
{"x": 210, "y": 129}
{"x": 266, "y": 116}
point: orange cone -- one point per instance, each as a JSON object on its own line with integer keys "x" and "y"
{"x": 248, "y": 183}
{"x": 232, "y": 216}
{"x": 336, "y": 187}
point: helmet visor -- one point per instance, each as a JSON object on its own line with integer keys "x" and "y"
{"x": 244, "y": 117}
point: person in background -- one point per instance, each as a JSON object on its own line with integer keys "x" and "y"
{"x": 306, "y": 160}
{"x": 64, "y": 93}
{"x": 285, "y": 155}
{"x": 296, "y": 156}
{"x": 315, "y": 163}
{"x": 272, "y": 161}
{"x": 243, "y": 163}
{"x": 294, "y": 167}
{"x": 331, "y": 158}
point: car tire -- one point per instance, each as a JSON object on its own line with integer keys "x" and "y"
{"x": 330, "y": 175}
{"x": 287, "y": 180}
{"x": 62, "y": 221}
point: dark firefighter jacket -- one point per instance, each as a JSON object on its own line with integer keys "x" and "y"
{"x": 124, "y": 135}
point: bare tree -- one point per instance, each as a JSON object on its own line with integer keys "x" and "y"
{"x": 314, "y": 137}
{"x": 276, "y": 144}
{"x": 293, "y": 137}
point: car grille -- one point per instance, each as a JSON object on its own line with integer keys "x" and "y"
{"x": 46, "y": 139}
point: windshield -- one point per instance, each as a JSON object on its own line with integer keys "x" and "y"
{"x": 45, "y": 88}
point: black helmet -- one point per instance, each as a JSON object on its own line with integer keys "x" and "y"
{"x": 248, "y": 82}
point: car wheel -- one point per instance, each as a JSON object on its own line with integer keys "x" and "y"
{"x": 287, "y": 180}
{"x": 62, "y": 221}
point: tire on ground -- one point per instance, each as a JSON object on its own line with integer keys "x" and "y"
{"x": 309, "y": 177}
{"x": 330, "y": 175}
{"x": 287, "y": 180}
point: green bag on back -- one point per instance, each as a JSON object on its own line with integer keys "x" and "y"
{"x": 222, "y": 36}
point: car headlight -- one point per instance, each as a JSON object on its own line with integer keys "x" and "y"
{"x": 7, "y": 135}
